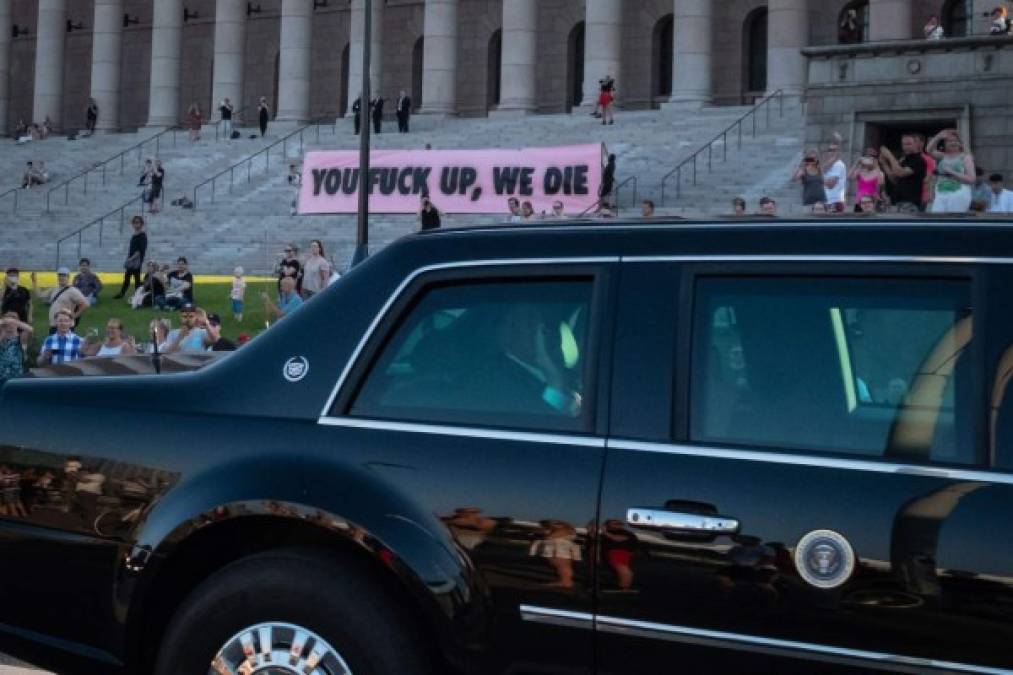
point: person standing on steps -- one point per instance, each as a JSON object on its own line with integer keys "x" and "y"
{"x": 378, "y": 114}
{"x": 195, "y": 120}
{"x": 404, "y": 112}
{"x": 357, "y": 114}
{"x": 606, "y": 97}
{"x": 264, "y": 113}
{"x": 157, "y": 182}
{"x": 226, "y": 110}
{"x": 91, "y": 116}
{"x": 135, "y": 256}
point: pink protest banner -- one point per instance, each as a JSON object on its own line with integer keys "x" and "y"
{"x": 457, "y": 181}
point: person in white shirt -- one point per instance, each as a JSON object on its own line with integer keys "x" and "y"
{"x": 1002, "y": 199}
{"x": 835, "y": 178}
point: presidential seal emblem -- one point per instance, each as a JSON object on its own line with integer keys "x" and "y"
{"x": 824, "y": 559}
{"x": 296, "y": 368}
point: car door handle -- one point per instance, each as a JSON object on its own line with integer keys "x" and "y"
{"x": 686, "y": 522}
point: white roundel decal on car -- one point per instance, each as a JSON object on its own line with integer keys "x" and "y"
{"x": 296, "y": 368}
{"x": 824, "y": 559}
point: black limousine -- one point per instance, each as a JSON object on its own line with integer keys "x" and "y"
{"x": 624, "y": 448}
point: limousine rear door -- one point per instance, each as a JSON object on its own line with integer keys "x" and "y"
{"x": 474, "y": 416}
{"x": 813, "y": 483}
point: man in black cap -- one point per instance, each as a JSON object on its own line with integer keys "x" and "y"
{"x": 195, "y": 333}
{"x": 16, "y": 298}
{"x": 222, "y": 344}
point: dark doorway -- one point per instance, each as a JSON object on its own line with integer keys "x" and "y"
{"x": 754, "y": 51}
{"x": 494, "y": 75}
{"x": 890, "y": 133}
{"x": 343, "y": 84}
{"x": 954, "y": 19}
{"x": 661, "y": 48}
{"x": 418, "y": 63}
{"x": 575, "y": 67}
{"x": 853, "y": 23}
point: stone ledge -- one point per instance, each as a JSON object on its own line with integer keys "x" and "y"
{"x": 897, "y": 47}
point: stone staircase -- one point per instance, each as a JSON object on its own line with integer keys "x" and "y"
{"x": 249, "y": 224}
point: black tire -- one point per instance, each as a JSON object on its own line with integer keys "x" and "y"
{"x": 345, "y": 607}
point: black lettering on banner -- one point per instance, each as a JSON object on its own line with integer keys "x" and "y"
{"x": 504, "y": 179}
{"x": 420, "y": 177}
{"x": 553, "y": 180}
{"x": 448, "y": 179}
{"x": 374, "y": 179}
{"x": 350, "y": 181}
{"x": 527, "y": 175}
{"x": 318, "y": 180}
{"x": 388, "y": 181}
{"x": 580, "y": 179}
{"x": 469, "y": 177}
{"x": 404, "y": 185}
{"x": 333, "y": 182}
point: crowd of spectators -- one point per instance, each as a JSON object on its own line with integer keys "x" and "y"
{"x": 938, "y": 175}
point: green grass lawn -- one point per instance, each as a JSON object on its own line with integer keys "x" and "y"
{"x": 212, "y": 297}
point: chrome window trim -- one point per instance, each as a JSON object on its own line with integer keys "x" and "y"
{"x": 715, "y": 638}
{"x": 468, "y": 432}
{"x": 460, "y": 264}
{"x": 814, "y": 258}
{"x": 782, "y": 457}
{"x": 759, "y": 222}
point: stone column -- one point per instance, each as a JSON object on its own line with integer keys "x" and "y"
{"x": 295, "y": 60}
{"x": 787, "y": 34}
{"x": 230, "y": 46}
{"x": 166, "y": 49}
{"x": 5, "y": 62}
{"x": 890, "y": 20}
{"x": 439, "y": 56}
{"x": 693, "y": 47}
{"x": 105, "y": 62}
{"x": 603, "y": 27}
{"x": 520, "y": 54}
{"x": 357, "y": 29}
{"x": 49, "y": 62}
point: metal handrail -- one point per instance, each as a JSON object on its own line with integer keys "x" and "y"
{"x": 615, "y": 191}
{"x": 723, "y": 136}
{"x": 12, "y": 191}
{"x": 101, "y": 166}
{"x": 248, "y": 161}
{"x": 100, "y": 221}
{"x": 236, "y": 114}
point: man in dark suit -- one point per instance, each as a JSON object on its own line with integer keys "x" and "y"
{"x": 404, "y": 111}
{"x": 377, "y": 114}
{"x": 357, "y": 114}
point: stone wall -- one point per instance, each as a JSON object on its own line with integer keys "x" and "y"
{"x": 403, "y": 21}
{"x": 556, "y": 19}
{"x": 968, "y": 80}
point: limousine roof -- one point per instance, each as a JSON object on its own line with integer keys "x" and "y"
{"x": 958, "y": 238}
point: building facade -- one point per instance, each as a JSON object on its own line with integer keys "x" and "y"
{"x": 146, "y": 61}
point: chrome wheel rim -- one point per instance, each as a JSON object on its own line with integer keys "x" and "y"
{"x": 276, "y": 648}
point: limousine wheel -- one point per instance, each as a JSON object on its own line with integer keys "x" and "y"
{"x": 288, "y": 612}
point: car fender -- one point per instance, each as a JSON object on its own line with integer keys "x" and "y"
{"x": 359, "y": 509}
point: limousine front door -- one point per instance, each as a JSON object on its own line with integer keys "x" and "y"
{"x": 823, "y": 493}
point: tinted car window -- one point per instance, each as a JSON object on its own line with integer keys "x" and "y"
{"x": 866, "y": 367}
{"x": 505, "y": 354}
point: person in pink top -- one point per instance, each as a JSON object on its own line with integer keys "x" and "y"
{"x": 869, "y": 180}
